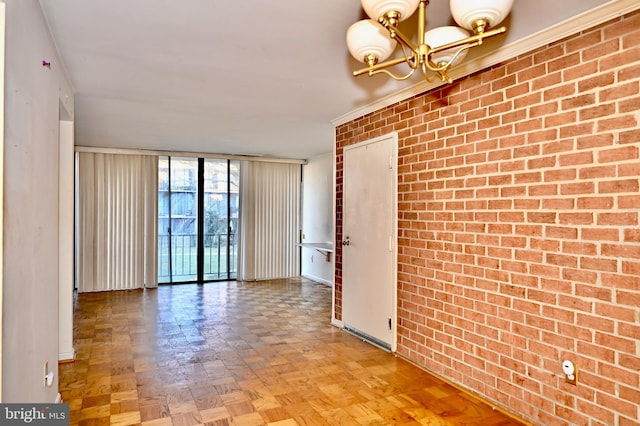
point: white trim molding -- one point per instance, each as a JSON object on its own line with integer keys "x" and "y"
{"x": 317, "y": 279}
{"x": 127, "y": 151}
{"x": 67, "y": 356}
{"x": 574, "y": 25}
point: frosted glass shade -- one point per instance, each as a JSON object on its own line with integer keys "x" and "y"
{"x": 378, "y": 8}
{"x": 441, "y": 36}
{"x": 367, "y": 37}
{"x": 466, "y": 12}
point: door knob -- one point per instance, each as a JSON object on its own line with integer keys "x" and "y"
{"x": 346, "y": 241}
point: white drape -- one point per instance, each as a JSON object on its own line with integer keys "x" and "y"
{"x": 117, "y": 221}
{"x": 269, "y": 213}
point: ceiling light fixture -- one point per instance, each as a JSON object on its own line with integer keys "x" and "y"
{"x": 373, "y": 40}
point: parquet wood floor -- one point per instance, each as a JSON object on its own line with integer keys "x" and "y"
{"x": 243, "y": 354}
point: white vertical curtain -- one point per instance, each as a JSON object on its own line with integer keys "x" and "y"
{"x": 117, "y": 221}
{"x": 269, "y": 216}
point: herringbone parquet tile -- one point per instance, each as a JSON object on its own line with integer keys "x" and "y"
{"x": 243, "y": 354}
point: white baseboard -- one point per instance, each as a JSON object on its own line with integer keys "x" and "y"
{"x": 318, "y": 279}
{"x": 58, "y": 399}
{"x": 67, "y": 356}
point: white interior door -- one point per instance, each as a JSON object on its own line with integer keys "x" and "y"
{"x": 369, "y": 256}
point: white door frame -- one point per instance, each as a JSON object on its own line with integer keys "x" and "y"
{"x": 66, "y": 235}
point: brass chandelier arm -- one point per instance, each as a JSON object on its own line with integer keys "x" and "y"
{"x": 477, "y": 39}
{"x": 441, "y": 70}
{"x": 395, "y": 77}
{"x": 410, "y": 59}
{"x": 445, "y": 65}
{"x": 377, "y": 67}
{"x": 425, "y": 71}
{"x": 394, "y": 32}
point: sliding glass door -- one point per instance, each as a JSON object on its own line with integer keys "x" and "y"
{"x": 197, "y": 219}
{"x": 220, "y": 219}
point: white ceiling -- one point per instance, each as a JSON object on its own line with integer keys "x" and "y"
{"x": 231, "y": 76}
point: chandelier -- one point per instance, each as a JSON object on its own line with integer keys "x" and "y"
{"x": 372, "y": 41}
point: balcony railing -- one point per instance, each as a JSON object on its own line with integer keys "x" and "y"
{"x": 184, "y": 257}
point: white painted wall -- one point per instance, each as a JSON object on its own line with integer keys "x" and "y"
{"x": 317, "y": 216}
{"x": 33, "y": 95}
{"x": 2, "y": 31}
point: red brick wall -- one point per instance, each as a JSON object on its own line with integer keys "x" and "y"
{"x": 519, "y": 236}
